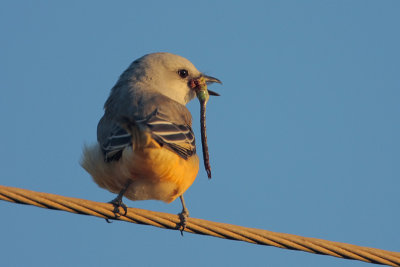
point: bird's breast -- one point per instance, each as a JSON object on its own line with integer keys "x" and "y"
{"x": 158, "y": 173}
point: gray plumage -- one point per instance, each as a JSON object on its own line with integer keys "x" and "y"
{"x": 146, "y": 146}
{"x": 136, "y": 98}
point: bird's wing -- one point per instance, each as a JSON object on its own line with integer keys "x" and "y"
{"x": 178, "y": 138}
{"x": 114, "y": 139}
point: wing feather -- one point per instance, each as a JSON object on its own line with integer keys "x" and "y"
{"x": 177, "y": 138}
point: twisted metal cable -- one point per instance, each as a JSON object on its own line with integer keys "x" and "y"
{"x": 199, "y": 226}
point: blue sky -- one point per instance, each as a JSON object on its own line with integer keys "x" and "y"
{"x": 304, "y": 139}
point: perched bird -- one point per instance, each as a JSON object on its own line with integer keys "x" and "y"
{"x": 146, "y": 146}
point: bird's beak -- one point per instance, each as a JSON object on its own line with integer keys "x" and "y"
{"x": 209, "y": 80}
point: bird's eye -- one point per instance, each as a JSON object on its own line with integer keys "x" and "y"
{"x": 183, "y": 73}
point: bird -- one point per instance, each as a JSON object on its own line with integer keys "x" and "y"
{"x": 145, "y": 142}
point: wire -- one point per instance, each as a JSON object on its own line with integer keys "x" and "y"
{"x": 199, "y": 226}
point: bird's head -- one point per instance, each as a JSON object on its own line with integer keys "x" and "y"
{"x": 171, "y": 75}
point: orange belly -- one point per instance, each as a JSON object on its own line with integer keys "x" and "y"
{"x": 154, "y": 172}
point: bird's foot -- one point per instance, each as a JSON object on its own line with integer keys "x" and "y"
{"x": 183, "y": 217}
{"x": 117, "y": 203}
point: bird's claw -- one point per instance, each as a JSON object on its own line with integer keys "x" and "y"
{"x": 183, "y": 216}
{"x": 117, "y": 203}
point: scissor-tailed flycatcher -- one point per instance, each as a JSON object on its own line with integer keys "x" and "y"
{"x": 146, "y": 147}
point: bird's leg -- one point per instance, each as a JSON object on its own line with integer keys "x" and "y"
{"x": 183, "y": 215}
{"x": 117, "y": 202}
